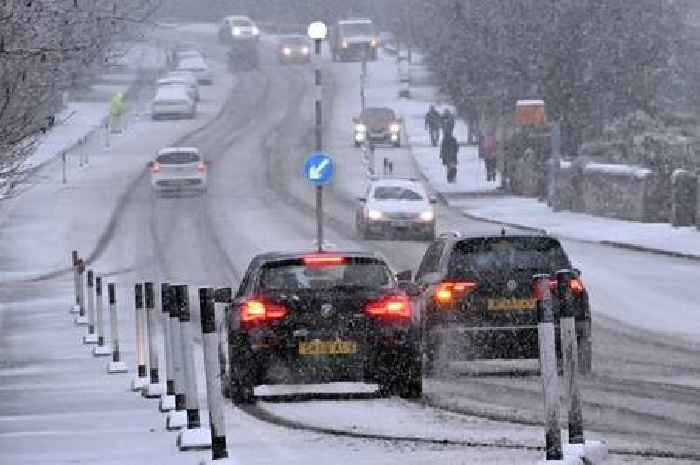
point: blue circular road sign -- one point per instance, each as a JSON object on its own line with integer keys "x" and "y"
{"x": 319, "y": 169}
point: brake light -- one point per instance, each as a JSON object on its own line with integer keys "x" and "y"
{"x": 201, "y": 167}
{"x": 258, "y": 311}
{"x": 576, "y": 285}
{"x": 449, "y": 292}
{"x": 323, "y": 260}
{"x": 155, "y": 167}
{"x": 395, "y": 307}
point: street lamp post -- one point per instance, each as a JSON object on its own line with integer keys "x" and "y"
{"x": 317, "y": 32}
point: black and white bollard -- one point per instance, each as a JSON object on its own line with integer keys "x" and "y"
{"x": 548, "y": 366}
{"x": 139, "y": 383}
{"x": 210, "y": 343}
{"x": 593, "y": 451}
{"x": 167, "y": 400}
{"x": 81, "y": 318}
{"x": 154, "y": 389}
{"x": 90, "y": 337}
{"x": 100, "y": 350}
{"x": 215, "y": 401}
{"x": 116, "y": 365}
{"x": 194, "y": 436}
{"x": 176, "y": 419}
{"x": 75, "y": 308}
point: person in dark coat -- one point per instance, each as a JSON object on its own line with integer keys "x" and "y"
{"x": 490, "y": 156}
{"x": 448, "y": 122}
{"x": 433, "y": 121}
{"x": 448, "y": 155}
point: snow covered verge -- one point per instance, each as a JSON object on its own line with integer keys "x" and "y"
{"x": 482, "y": 200}
{"x": 81, "y": 213}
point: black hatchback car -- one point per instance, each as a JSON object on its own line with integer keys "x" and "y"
{"x": 302, "y": 318}
{"x": 477, "y": 300}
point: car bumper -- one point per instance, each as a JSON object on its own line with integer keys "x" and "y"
{"x": 294, "y": 58}
{"x": 387, "y": 137}
{"x": 179, "y": 184}
{"x": 172, "y": 113}
{"x": 400, "y": 226}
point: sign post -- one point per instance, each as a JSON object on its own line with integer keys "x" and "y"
{"x": 319, "y": 170}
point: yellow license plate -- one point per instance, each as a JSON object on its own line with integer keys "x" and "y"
{"x": 511, "y": 304}
{"x": 327, "y": 347}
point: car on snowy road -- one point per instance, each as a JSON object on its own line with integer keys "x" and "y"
{"x": 377, "y": 125}
{"x": 308, "y": 318}
{"x": 178, "y": 169}
{"x": 477, "y": 300}
{"x": 394, "y": 206}
{"x": 173, "y": 102}
{"x": 293, "y": 48}
{"x": 354, "y": 38}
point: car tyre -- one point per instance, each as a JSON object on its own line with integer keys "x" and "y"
{"x": 585, "y": 355}
{"x": 242, "y": 372}
{"x": 357, "y": 145}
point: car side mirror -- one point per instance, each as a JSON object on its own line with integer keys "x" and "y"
{"x": 410, "y": 288}
{"x": 362, "y": 199}
{"x": 433, "y": 200}
{"x": 404, "y": 276}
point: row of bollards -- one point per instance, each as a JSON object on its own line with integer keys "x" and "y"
{"x": 178, "y": 396}
{"x": 578, "y": 450}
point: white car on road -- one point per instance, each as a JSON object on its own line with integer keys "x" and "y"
{"x": 394, "y": 206}
{"x": 173, "y": 102}
{"x": 197, "y": 66}
{"x": 179, "y": 169}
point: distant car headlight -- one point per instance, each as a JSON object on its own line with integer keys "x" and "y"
{"x": 344, "y": 44}
{"x": 427, "y": 215}
{"x": 360, "y": 127}
{"x": 286, "y": 51}
{"x": 236, "y": 31}
{"x": 374, "y": 43}
{"x": 374, "y": 214}
{"x": 305, "y": 51}
{"x": 255, "y": 31}
{"x": 395, "y": 127}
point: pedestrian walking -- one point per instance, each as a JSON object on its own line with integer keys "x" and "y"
{"x": 490, "y": 156}
{"x": 448, "y": 122}
{"x": 433, "y": 122}
{"x": 448, "y": 155}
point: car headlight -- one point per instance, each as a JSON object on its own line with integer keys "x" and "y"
{"x": 427, "y": 215}
{"x": 374, "y": 43}
{"x": 255, "y": 31}
{"x": 286, "y": 51}
{"x": 236, "y": 31}
{"x": 344, "y": 44}
{"x": 395, "y": 127}
{"x": 305, "y": 51}
{"x": 359, "y": 127}
{"x": 374, "y": 214}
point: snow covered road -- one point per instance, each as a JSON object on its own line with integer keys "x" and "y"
{"x": 643, "y": 395}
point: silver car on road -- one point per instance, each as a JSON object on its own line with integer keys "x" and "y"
{"x": 178, "y": 169}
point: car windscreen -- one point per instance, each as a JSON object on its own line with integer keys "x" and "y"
{"x": 502, "y": 255}
{"x": 295, "y": 41}
{"x": 357, "y": 29}
{"x": 378, "y": 114}
{"x": 177, "y": 158}
{"x": 396, "y": 193}
{"x": 363, "y": 273}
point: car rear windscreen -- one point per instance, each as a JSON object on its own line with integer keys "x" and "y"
{"x": 501, "y": 255}
{"x": 361, "y": 273}
{"x": 178, "y": 158}
{"x": 396, "y": 193}
{"x": 240, "y": 23}
{"x": 378, "y": 114}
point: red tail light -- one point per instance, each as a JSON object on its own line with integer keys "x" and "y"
{"x": 395, "y": 307}
{"x": 450, "y": 292}
{"x": 201, "y": 167}
{"x": 323, "y": 260}
{"x": 257, "y": 311}
{"x": 576, "y": 285}
{"x": 155, "y": 167}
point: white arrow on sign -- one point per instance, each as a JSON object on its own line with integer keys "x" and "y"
{"x": 315, "y": 172}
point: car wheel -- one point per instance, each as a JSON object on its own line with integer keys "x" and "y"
{"x": 357, "y": 145}
{"x": 242, "y": 372}
{"x": 409, "y": 385}
{"x": 585, "y": 355}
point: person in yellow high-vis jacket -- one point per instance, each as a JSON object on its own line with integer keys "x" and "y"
{"x": 116, "y": 112}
